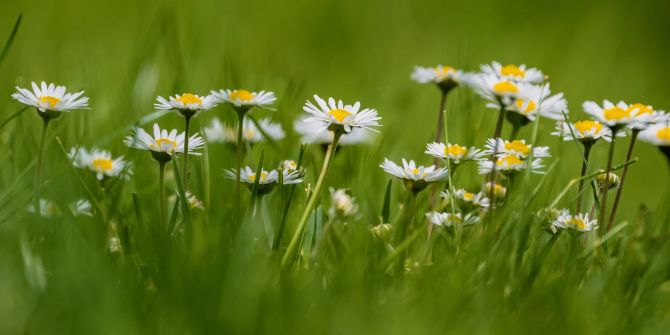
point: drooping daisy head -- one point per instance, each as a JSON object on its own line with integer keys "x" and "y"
{"x": 243, "y": 100}
{"x": 454, "y": 152}
{"x": 619, "y": 115}
{"x": 446, "y": 77}
{"x": 339, "y": 118}
{"x": 468, "y": 200}
{"x": 219, "y": 132}
{"x": 657, "y": 134}
{"x": 510, "y": 164}
{"x": 313, "y": 132}
{"x": 517, "y": 148}
{"x": 50, "y": 98}
{"x": 448, "y": 219}
{"x": 163, "y": 144}
{"x": 100, "y": 162}
{"x": 187, "y": 103}
{"x": 343, "y": 205}
{"x": 586, "y": 131}
{"x": 416, "y": 178}
{"x": 516, "y": 73}
{"x": 578, "y": 223}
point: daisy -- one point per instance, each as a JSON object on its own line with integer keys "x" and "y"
{"x": 509, "y": 164}
{"x": 499, "y": 91}
{"x": 416, "y": 178}
{"x": 312, "y": 132}
{"x": 536, "y": 100}
{"x": 468, "y": 198}
{"x": 163, "y": 144}
{"x": 193, "y": 201}
{"x": 454, "y": 152}
{"x": 580, "y": 222}
{"x": 619, "y": 115}
{"x": 243, "y": 100}
{"x": 498, "y": 191}
{"x": 584, "y": 131}
{"x": 448, "y": 220}
{"x": 187, "y": 103}
{"x": 100, "y": 162}
{"x": 517, "y": 148}
{"x": 657, "y": 134}
{"x": 81, "y": 207}
{"x": 267, "y": 179}
{"x": 47, "y": 208}
{"x": 50, "y": 98}
{"x": 513, "y": 72}
{"x": 340, "y": 118}
{"x": 343, "y": 205}
{"x": 218, "y": 132}
{"x": 289, "y": 165}
{"x": 446, "y": 77}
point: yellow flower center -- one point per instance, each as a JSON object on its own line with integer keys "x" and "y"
{"x": 444, "y": 71}
{"x": 641, "y": 109}
{"x": 509, "y": 160}
{"x": 512, "y": 71}
{"x": 587, "y": 125}
{"x": 616, "y": 113}
{"x": 518, "y": 146}
{"x": 165, "y": 144}
{"x": 49, "y": 100}
{"x": 249, "y": 134}
{"x": 577, "y": 223}
{"x": 504, "y": 87}
{"x": 339, "y": 114}
{"x": 663, "y": 134}
{"x": 102, "y": 164}
{"x": 455, "y": 150}
{"x": 530, "y": 106}
{"x": 242, "y": 95}
{"x": 468, "y": 196}
{"x": 291, "y": 165}
{"x": 415, "y": 171}
{"x": 189, "y": 99}
{"x": 264, "y": 176}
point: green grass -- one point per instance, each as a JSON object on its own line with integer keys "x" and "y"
{"x": 217, "y": 277}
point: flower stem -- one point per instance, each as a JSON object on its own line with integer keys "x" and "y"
{"x": 238, "y": 189}
{"x": 187, "y": 124}
{"x": 603, "y": 200}
{"x": 404, "y": 227}
{"x": 161, "y": 190}
{"x": 615, "y": 206}
{"x": 293, "y": 244}
{"x": 496, "y": 135}
{"x": 440, "y": 122}
{"x": 585, "y": 164}
{"x": 40, "y": 164}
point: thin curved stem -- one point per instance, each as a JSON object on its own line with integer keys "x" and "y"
{"x": 186, "y": 138}
{"x": 585, "y": 164}
{"x": 161, "y": 190}
{"x": 238, "y": 189}
{"x": 40, "y": 164}
{"x": 617, "y": 198}
{"x": 603, "y": 200}
{"x": 440, "y": 122}
{"x": 293, "y": 244}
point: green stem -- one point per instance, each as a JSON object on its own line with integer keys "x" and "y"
{"x": 405, "y": 225}
{"x": 515, "y": 131}
{"x": 492, "y": 179}
{"x": 293, "y": 244}
{"x": 617, "y": 198}
{"x": 40, "y": 164}
{"x": 603, "y": 201}
{"x": 238, "y": 189}
{"x": 187, "y": 117}
{"x": 161, "y": 190}
{"x": 440, "y": 122}
{"x": 585, "y": 164}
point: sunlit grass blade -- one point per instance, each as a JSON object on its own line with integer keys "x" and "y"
{"x": 10, "y": 39}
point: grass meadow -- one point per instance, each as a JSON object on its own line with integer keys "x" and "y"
{"x": 114, "y": 272}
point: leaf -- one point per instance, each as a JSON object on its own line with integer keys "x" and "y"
{"x": 386, "y": 208}
{"x": 10, "y": 39}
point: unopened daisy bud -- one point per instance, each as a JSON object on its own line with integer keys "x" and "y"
{"x": 383, "y": 231}
{"x": 603, "y": 179}
{"x": 343, "y": 205}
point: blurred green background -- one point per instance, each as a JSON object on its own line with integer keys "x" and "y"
{"x": 124, "y": 53}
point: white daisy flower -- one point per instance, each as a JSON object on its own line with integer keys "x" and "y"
{"x": 498, "y": 90}
{"x": 218, "y": 132}
{"x": 100, "y": 162}
{"x": 644, "y": 115}
{"x": 657, "y": 134}
{"x": 51, "y": 98}
{"x": 499, "y": 191}
{"x": 510, "y": 164}
{"x": 48, "y": 208}
{"x": 448, "y": 220}
{"x": 243, "y": 99}
{"x": 163, "y": 142}
{"x": 343, "y": 205}
{"x": 338, "y": 117}
{"x": 584, "y": 131}
{"x": 536, "y": 99}
{"x": 619, "y": 115}
{"x": 513, "y": 72}
{"x": 518, "y": 148}
{"x": 185, "y": 102}
{"x": 446, "y": 77}
{"x": 416, "y": 178}
{"x": 81, "y": 207}
{"x": 268, "y": 179}
{"x": 454, "y": 152}
{"x": 313, "y": 132}
{"x": 580, "y": 222}
{"x": 469, "y": 198}
{"x": 193, "y": 201}
{"x": 289, "y": 165}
